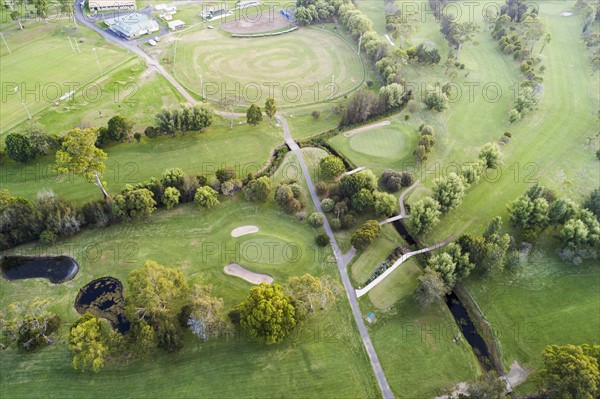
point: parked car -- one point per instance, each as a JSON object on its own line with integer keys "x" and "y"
{"x": 151, "y": 42}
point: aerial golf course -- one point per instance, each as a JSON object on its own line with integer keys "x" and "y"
{"x": 211, "y": 205}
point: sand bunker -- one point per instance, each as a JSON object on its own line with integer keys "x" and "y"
{"x": 242, "y": 231}
{"x": 566, "y": 14}
{"x": 233, "y": 269}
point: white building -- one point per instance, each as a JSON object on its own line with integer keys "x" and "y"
{"x": 176, "y": 25}
{"x": 132, "y": 25}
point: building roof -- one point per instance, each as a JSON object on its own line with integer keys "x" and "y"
{"x": 176, "y": 23}
{"x": 131, "y": 24}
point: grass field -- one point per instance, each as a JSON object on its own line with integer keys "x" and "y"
{"x": 550, "y": 146}
{"x": 135, "y": 162}
{"x": 415, "y": 348}
{"x": 42, "y": 83}
{"x": 375, "y": 10}
{"x": 326, "y": 358}
{"x": 380, "y": 148}
{"x": 291, "y": 67}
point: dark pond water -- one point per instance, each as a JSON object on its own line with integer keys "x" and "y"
{"x": 57, "y": 269}
{"x": 103, "y": 298}
{"x": 401, "y": 229}
{"x": 468, "y": 329}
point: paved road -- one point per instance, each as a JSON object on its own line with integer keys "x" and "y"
{"x": 342, "y": 261}
{"x": 132, "y": 46}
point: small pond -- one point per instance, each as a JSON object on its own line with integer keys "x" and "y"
{"x": 57, "y": 269}
{"x": 103, "y": 298}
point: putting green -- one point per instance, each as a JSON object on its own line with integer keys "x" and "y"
{"x": 379, "y": 148}
{"x": 296, "y": 68}
{"x": 385, "y": 142}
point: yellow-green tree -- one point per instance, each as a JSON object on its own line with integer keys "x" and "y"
{"x": 268, "y": 313}
{"x": 79, "y": 155}
{"x": 88, "y": 343}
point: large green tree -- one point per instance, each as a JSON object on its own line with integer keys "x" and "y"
{"x": 331, "y": 167}
{"x": 268, "y": 313}
{"x": 449, "y": 191}
{"x": 19, "y": 148}
{"x": 431, "y": 288}
{"x": 79, "y": 155}
{"x": 254, "y": 115}
{"x": 424, "y": 214}
{"x": 571, "y": 372}
{"x": 119, "y": 128}
{"x": 270, "y": 108}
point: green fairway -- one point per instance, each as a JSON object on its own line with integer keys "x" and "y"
{"x": 63, "y": 68}
{"x": 375, "y": 10}
{"x": 418, "y": 352}
{"x": 325, "y": 358}
{"x": 416, "y": 348}
{"x": 290, "y": 67}
{"x": 380, "y": 148}
{"x": 197, "y": 153}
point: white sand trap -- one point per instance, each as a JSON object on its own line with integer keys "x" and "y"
{"x": 233, "y": 269}
{"x": 566, "y": 14}
{"x": 242, "y": 231}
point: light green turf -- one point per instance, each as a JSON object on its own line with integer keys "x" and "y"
{"x": 364, "y": 265}
{"x": 299, "y": 71}
{"x": 380, "y": 148}
{"x": 302, "y": 124}
{"x": 374, "y": 10}
{"x": 195, "y": 153}
{"x": 326, "y": 359}
{"x": 416, "y": 348}
{"x": 42, "y": 83}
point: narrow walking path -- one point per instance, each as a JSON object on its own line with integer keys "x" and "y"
{"x": 353, "y": 171}
{"x": 352, "y": 132}
{"x": 341, "y": 263}
{"x": 403, "y": 214}
{"x": 362, "y": 291}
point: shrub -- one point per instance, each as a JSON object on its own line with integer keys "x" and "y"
{"x": 48, "y": 237}
{"x": 171, "y": 197}
{"x": 137, "y": 137}
{"x": 348, "y": 221}
{"x": 206, "y": 197}
{"x": 172, "y": 177}
{"x": 225, "y": 174}
{"x": 97, "y": 213}
{"x": 321, "y": 187}
{"x": 135, "y": 204}
{"x": 316, "y": 114}
{"x": 366, "y": 234}
{"x": 327, "y": 205}
{"x": 335, "y": 224}
{"x": 322, "y": 240}
{"x": 427, "y": 130}
{"x": 316, "y": 219}
{"x": 151, "y": 132}
{"x": 331, "y": 167}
